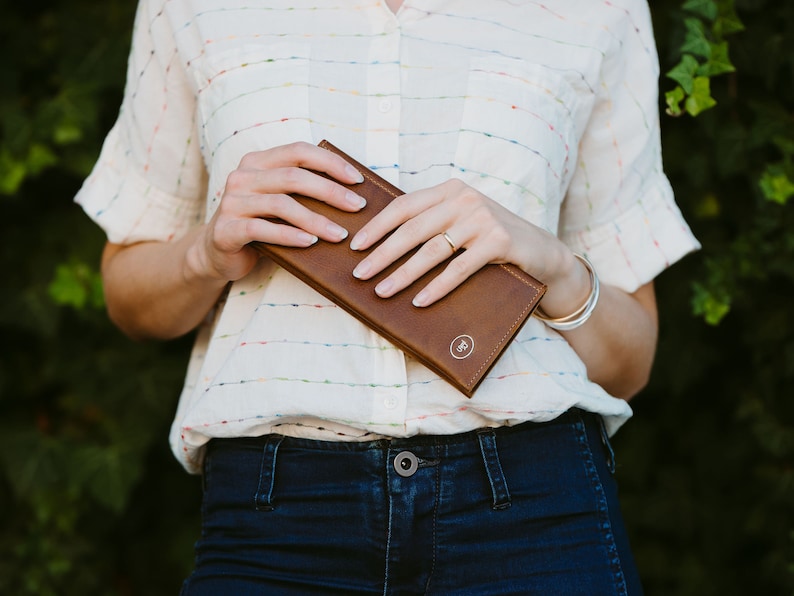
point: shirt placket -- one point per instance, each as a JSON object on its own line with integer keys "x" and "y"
{"x": 383, "y": 101}
{"x": 383, "y": 155}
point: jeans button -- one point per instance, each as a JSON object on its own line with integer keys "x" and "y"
{"x": 406, "y": 464}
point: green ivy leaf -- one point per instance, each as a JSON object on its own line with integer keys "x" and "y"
{"x": 674, "y": 99}
{"x": 39, "y": 158}
{"x": 683, "y": 73}
{"x": 776, "y": 186}
{"x": 12, "y": 173}
{"x": 705, "y": 8}
{"x": 67, "y": 289}
{"x": 700, "y": 99}
{"x": 66, "y": 132}
{"x": 719, "y": 62}
{"x": 728, "y": 21}
{"x": 711, "y": 307}
{"x": 695, "y": 41}
{"x": 77, "y": 285}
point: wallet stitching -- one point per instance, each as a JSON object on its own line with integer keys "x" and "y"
{"x": 524, "y": 280}
{"x": 496, "y": 348}
{"x": 377, "y": 183}
{"x": 509, "y": 332}
{"x": 366, "y": 173}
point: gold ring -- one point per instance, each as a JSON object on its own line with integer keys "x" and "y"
{"x": 449, "y": 241}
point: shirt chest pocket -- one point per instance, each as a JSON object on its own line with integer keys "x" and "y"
{"x": 251, "y": 98}
{"x": 518, "y": 140}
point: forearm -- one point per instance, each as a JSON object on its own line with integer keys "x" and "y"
{"x": 151, "y": 290}
{"x": 618, "y": 342}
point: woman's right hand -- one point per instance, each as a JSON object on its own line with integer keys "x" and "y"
{"x": 165, "y": 289}
{"x": 259, "y": 190}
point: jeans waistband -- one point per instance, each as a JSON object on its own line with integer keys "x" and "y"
{"x": 417, "y": 441}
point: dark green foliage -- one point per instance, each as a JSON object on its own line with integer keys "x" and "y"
{"x": 708, "y": 475}
{"x": 91, "y": 500}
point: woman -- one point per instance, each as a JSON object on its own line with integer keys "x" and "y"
{"x": 524, "y": 133}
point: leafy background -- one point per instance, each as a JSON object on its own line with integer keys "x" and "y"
{"x": 91, "y": 500}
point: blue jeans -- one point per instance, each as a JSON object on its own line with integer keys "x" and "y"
{"x": 525, "y": 510}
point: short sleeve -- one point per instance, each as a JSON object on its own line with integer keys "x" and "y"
{"x": 619, "y": 209}
{"x": 149, "y": 180}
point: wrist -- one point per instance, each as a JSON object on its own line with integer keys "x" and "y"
{"x": 196, "y": 266}
{"x": 576, "y": 313}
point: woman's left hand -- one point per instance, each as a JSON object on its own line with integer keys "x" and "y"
{"x": 616, "y": 344}
{"x": 440, "y": 220}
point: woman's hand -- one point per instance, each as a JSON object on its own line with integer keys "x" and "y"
{"x": 618, "y": 342}
{"x": 258, "y": 190}
{"x": 450, "y": 216}
{"x": 165, "y": 289}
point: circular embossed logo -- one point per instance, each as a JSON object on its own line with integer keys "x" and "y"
{"x": 461, "y": 347}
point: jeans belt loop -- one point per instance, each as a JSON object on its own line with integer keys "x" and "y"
{"x": 610, "y": 451}
{"x": 493, "y": 468}
{"x": 263, "y": 500}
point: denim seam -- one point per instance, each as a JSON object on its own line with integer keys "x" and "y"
{"x": 605, "y": 523}
{"x": 436, "y": 504}
{"x": 389, "y": 523}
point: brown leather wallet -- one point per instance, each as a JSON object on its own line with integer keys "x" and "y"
{"x": 460, "y": 337}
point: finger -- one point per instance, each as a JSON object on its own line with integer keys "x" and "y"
{"x": 436, "y": 250}
{"x": 240, "y": 221}
{"x": 237, "y": 234}
{"x": 458, "y": 271}
{"x": 421, "y": 230}
{"x": 287, "y": 180}
{"x": 303, "y": 155}
{"x": 401, "y": 210}
{"x": 299, "y": 216}
{"x": 278, "y": 233}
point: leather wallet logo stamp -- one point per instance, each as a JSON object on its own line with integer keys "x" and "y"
{"x": 462, "y": 347}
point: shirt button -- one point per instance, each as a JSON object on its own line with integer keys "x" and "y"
{"x": 390, "y": 402}
{"x": 384, "y": 106}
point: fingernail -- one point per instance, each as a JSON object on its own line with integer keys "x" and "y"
{"x": 358, "y": 241}
{"x": 361, "y": 269}
{"x": 336, "y": 231}
{"x": 421, "y": 299}
{"x": 307, "y": 239}
{"x": 384, "y": 287}
{"x": 357, "y": 176}
{"x": 355, "y": 200}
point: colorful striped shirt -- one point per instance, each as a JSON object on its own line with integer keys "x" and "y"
{"x": 551, "y": 109}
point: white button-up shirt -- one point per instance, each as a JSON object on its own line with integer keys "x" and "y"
{"x": 550, "y": 109}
